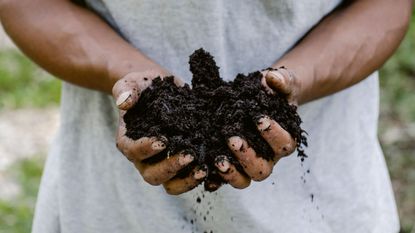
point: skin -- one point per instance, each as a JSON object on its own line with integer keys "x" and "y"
{"x": 341, "y": 50}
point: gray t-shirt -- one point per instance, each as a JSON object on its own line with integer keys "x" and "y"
{"x": 88, "y": 186}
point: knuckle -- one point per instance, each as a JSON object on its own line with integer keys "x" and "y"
{"x": 123, "y": 149}
{"x": 123, "y": 145}
{"x": 127, "y": 152}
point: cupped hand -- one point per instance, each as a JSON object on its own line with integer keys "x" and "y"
{"x": 126, "y": 92}
{"x": 254, "y": 166}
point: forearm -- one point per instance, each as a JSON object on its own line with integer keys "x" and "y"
{"x": 347, "y": 46}
{"x": 71, "y": 42}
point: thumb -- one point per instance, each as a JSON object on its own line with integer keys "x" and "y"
{"x": 283, "y": 81}
{"x": 279, "y": 80}
{"x": 126, "y": 91}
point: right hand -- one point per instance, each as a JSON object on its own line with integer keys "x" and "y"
{"x": 282, "y": 143}
{"x": 126, "y": 92}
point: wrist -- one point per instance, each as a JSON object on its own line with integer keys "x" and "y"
{"x": 120, "y": 68}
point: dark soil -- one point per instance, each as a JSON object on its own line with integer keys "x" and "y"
{"x": 200, "y": 120}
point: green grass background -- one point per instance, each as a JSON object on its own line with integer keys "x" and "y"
{"x": 24, "y": 85}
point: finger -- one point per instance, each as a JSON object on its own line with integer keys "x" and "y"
{"x": 156, "y": 174}
{"x": 143, "y": 148}
{"x": 279, "y": 80}
{"x": 255, "y": 167}
{"x": 281, "y": 142}
{"x": 178, "y": 186}
{"x": 230, "y": 174}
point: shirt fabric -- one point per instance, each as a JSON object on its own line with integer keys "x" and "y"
{"x": 343, "y": 186}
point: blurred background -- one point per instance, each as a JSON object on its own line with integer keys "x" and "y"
{"x": 29, "y": 116}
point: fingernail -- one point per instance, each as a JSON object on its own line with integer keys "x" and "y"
{"x": 222, "y": 163}
{"x": 185, "y": 159}
{"x": 264, "y": 123}
{"x": 201, "y": 173}
{"x": 123, "y": 98}
{"x": 235, "y": 142}
{"x": 158, "y": 145}
{"x": 275, "y": 74}
{"x": 223, "y": 166}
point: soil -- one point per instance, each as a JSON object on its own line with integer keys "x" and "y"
{"x": 200, "y": 119}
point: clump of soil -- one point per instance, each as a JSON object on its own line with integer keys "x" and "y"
{"x": 201, "y": 119}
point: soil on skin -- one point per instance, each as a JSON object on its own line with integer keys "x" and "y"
{"x": 201, "y": 119}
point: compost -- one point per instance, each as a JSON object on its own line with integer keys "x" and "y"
{"x": 200, "y": 119}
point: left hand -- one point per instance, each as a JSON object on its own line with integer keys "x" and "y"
{"x": 255, "y": 167}
{"x": 126, "y": 92}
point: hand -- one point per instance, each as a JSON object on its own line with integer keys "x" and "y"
{"x": 255, "y": 167}
{"x": 126, "y": 92}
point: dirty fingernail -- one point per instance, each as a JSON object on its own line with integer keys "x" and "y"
{"x": 264, "y": 123}
{"x": 235, "y": 142}
{"x": 200, "y": 174}
{"x": 185, "y": 159}
{"x": 123, "y": 98}
{"x": 158, "y": 145}
{"x": 223, "y": 165}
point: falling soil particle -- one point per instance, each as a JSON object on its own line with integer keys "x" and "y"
{"x": 200, "y": 120}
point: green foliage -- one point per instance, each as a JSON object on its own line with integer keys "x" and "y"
{"x": 398, "y": 114}
{"x": 398, "y": 80}
{"x": 16, "y": 214}
{"x": 23, "y": 84}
